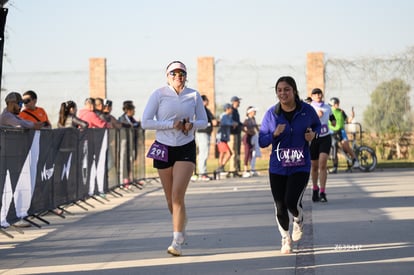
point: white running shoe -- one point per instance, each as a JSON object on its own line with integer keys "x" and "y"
{"x": 286, "y": 246}
{"x": 246, "y": 175}
{"x": 174, "y": 249}
{"x": 297, "y": 231}
{"x": 356, "y": 164}
{"x": 254, "y": 174}
{"x": 22, "y": 223}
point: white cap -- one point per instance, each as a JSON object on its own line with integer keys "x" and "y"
{"x": 176, "y": 65}
{"x": 251, "y": 109}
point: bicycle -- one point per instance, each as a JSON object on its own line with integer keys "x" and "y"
{"x": 365, "y": 154}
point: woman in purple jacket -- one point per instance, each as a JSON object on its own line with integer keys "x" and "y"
{"x": 289, "y": 126}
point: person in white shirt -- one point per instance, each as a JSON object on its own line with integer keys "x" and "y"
{"x": 175, "y": 112}
{"x": 320, "y": 146}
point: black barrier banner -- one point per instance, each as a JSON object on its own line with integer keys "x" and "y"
{"x": 66, "y": 168}
{"x": 124, "y": 156}
{"x": 93, "y": 147}
{"x": 43, "y": 169}
{"x": 84, "y": 163}
{"x": 113, "y": 159}
{"x": 18, "y": 168}
{"x": 98, "y": 182}
{"x": 42, "y": 198}
{"x": 139, "y": 171}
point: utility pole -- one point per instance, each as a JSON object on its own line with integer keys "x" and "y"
{"x": 3, "y": 15}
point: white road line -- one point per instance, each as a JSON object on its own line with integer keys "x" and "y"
{"x": 146, "y": 263}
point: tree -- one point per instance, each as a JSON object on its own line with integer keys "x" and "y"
{"x": 389, "y": 115}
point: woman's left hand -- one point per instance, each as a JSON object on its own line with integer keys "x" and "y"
{"x": 187, "y": 126}
{"x": 309, "y": 134}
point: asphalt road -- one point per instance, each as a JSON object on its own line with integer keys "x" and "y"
{"x": 367, "y": 227}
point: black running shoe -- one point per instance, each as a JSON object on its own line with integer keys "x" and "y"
{"x": 315, "y": 195}
{"x": 322, "y": 197}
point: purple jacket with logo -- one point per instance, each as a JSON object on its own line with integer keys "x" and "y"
{"x": 290, "y": 150}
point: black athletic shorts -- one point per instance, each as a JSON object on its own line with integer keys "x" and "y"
{"x": 320, "y": 145}
{"x": 185, "y": 152}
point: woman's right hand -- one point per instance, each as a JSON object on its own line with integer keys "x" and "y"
{"x": 178, "y": 125}
{"x": 279, "y": 129}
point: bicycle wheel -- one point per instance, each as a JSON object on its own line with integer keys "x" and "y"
{"x": 367, "y": 158}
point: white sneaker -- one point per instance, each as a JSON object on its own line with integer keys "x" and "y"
{"x": 286, "y": 246}
{"x": 297, "y": 231}
{"x": 22, "y": 223}
{"x": 255, "y": 174}
{"x": 356, "y": 164}
{"x": 246, "y": 175}
{"x": 174, "y": 249}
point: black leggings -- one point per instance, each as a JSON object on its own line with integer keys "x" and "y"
{"x": 287, "y": 193}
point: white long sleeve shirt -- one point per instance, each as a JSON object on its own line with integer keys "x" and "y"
{"x": 165, "y": 106}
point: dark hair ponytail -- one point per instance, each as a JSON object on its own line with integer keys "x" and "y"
{"x": 62, "y": 114}
{"x": 64, "y": 111}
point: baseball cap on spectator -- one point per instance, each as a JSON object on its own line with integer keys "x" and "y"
{"x": 107, "y": 102}
{"x": 317, "y": 91}
{"x": 128, "y": 105}
{"x": 176, "y": 65}
{"x": 227, "y": 106}
{"x": 13, "y": 97}
{"x": 235, "y": 98}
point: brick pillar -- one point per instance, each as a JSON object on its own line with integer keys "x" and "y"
{"x": 315, "y": 72}
{"x": 205, "y": 80}
{"x": 97, "y": 77}
{"x": 206, "y": 86}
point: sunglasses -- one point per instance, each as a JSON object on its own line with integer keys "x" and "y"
{"x": 180, "y": 73}
{"x": 27, "y": 100}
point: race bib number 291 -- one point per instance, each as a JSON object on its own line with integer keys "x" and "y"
{"x": 158, "y": 151}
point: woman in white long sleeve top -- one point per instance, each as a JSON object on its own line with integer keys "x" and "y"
{"x": 175, "y": 112}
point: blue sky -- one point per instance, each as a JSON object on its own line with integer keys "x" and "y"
{"x": 49, "y": 43}
{"x": 57, "y": 35}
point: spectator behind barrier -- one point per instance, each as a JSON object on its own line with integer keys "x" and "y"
{"x": 108, "y": 117}
{"x": 98, "y": 107}
{"x": 32, "y": 112}
{"x": 235, "y": 137}
{"x": 10, "y": 116}
{"x": 203, "y": 137}
{"x": 250, "y": 142}
{"x": 223, "y": 136}
{"x": 127, "y": 119}
{"x": 68, "y": 118}
{"x": 87, "y": 114}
